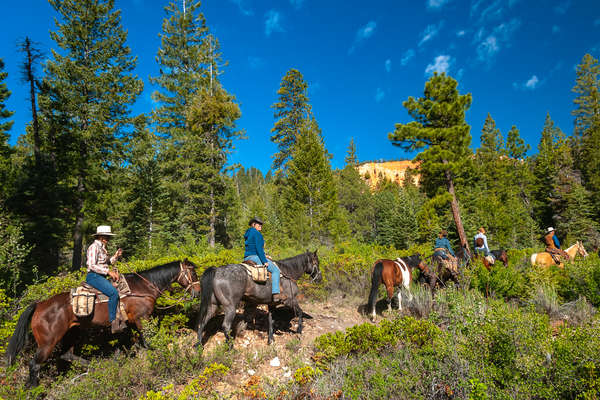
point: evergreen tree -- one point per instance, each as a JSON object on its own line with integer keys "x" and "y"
{"x": 5, "y": 126}
{"x": 309, "y": 196}
{"x": 91, "y": 88}
{"x": 587, "y": 123}
{"x": 185, "y": 58}
{"x": 212, "y": 116}
{"x": 292, "y": 112}
{"x": 515, "y": 145}
{"x": 492, "y": 143}
{"x": 351, "y": 158}
{"x": 553, "y": 156}
{"x": 354, "y": 198}
{"x": 441, "y": 130}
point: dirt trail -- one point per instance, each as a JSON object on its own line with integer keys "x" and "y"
{"x": 289, "y": 351}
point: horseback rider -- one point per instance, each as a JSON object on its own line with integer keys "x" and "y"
{"x": 442, "y": 246}
{"x": 480, "y": 243}
{"x": 553, "y": 245}
{"x": 98, "y": 268}
{"x": 254, "y": 244}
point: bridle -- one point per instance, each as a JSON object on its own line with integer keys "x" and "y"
{"x": 314, "y": 272}
{"x": 186, "y": 272}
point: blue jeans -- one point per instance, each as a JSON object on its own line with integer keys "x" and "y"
{"x": 102, "y": 284}
{"x": 272, "y": 268}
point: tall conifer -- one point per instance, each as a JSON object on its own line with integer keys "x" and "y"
{"x": 440, "y": 129}
{"x": 91, "y": 87}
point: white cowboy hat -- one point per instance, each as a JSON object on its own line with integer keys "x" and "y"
{"x": 549, "y": 229}
{"x": 103, "y": 230}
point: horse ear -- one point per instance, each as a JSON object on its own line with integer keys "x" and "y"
{"x": 185, "y": 261}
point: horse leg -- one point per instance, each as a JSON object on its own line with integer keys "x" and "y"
{"x": 227, "y": 321}
{"x": 270, "y": 320}
{"x": 69, "y": 341}
{"x": 390, "y": 294}
{"x": 41, "y": 355}
{"x": 210, "y": 312}
{"x": 299, "y": 313}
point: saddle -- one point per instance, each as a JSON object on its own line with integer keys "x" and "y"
{"x": 258, "y": 273}
{"x": 84, "y": 297}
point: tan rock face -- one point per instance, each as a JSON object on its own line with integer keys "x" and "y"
{"x": 395, "y": 171}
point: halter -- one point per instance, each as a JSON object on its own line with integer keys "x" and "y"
{"x": 314, "y": 270}
{"x": 187, "y": 274}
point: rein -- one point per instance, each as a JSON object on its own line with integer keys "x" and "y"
{"x": 187, "y": 275}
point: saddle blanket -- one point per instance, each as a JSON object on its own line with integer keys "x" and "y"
{"x": 490, "y": 259}
{"x": 85, "y": 296}
{"x": 258, "y": 273}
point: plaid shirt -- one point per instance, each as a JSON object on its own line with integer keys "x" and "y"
{"x": 97, "y": 258}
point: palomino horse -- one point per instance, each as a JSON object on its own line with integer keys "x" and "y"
{"x": 228, "y": 285}
{"x": 545, "y": 259}
{"x": 51, "y": 319}
{"x": 393, "y": 273}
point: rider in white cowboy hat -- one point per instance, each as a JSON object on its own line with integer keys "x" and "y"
{"x": 552, "y": 243}
{"x": 98, "y": 268}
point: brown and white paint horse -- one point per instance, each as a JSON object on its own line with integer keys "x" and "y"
{"x": 393, "y": 273}
{"x": 544, "y": 259}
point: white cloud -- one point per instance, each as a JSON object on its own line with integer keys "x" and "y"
{"x": 499, "y": 38}
{"x": 388, "y": 65}
{"x": 406, "y": 57}
{"x": 273, "y": 22}
{"x": 562, "y": 7}
{"x": 532, "y": 83}
{"x": 243, "y": 10}
{"x": 440, "y": 64}
{"x": 555, "y": 28}
{"x": 430, "y": 32}
{"x": 362, "y": 34}
{"x": 461, "y": 33}
{"x": 488, "y": 48}
{"x": 379, "y": 95}
{"x": 255, "y": 62}
{"x": 459, "y": 74}
{"x": 297, "y": 4}
{"x": 436, "y": 4}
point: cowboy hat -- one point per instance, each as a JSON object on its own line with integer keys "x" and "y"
{"x": 549, "y": 229}
{"x": 103, "y": 230}
{"x": 255, "y": 220}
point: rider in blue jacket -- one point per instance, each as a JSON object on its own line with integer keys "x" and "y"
{"x": 255, "y": 251}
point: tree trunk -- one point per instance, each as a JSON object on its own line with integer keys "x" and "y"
{"x": 78, "y": 230}
{"x": 456, "y": 212}
{"x": 31, "y": 80}
{"x": 211, "y": 234}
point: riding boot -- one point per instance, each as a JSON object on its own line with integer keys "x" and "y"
{"x": 117, "y": 326}
{"x": 279, "y": 298}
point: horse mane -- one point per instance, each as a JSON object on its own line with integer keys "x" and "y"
{"x": 294, "y": 263}
{"x": 160, "y": 275}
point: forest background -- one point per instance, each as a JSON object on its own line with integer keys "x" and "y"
{"x": 164, "y": 181}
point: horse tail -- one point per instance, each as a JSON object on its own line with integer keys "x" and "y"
{"x": 376, "y": 279}
{"x": 206, "y": 284}
{"x": 19, "y": 337}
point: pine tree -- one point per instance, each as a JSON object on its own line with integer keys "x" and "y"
{"x": 292, "y": 112}
{"x": 309, "y": 196}
{"x": 354, "y": 198}
{"x": 515, "y": 145}
{"x": 91, "y": 87}
{"x": 440, "y": 129}
{"x": 553, "y": 156}
{"x": 492, "y": 143}
{"x": 351, "y": 158}
{"x": 185, "y": 58}
{"x": 587, "y": 123}
{"x": 5, "y": 126}
{"x": 212, "y": 116}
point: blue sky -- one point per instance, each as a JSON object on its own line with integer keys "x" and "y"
{"x": 361, "y": 61}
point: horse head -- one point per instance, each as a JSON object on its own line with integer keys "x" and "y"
{"x": 313, "y": 269}
{"x": 581, "y": 250}
{"x": 188, "y": 278}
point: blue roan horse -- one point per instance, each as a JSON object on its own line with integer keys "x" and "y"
{"x": 226, "y": 286}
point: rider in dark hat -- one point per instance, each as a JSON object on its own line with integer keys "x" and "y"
{"x": 255, "y": 251}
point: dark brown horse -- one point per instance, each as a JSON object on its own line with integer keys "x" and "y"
{"x": 499, "y": 255}
{"x": 53, "y": 318}
{"x": 393, "y": 273}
